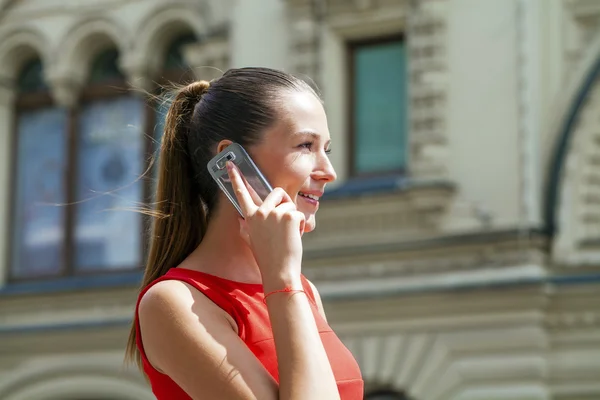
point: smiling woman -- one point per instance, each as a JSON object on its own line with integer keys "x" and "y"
{"x": 203, "y": 326}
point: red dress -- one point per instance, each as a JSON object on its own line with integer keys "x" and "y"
{"x": 244, "y": 302}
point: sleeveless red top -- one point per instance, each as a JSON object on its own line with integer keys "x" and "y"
{"x": 244, "y": 302}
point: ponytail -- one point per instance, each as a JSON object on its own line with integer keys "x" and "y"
{"x": 180, "y": 217}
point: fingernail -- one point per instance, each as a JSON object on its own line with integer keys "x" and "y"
{"x": 229, "y": 165}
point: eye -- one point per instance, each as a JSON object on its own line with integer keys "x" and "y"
{"x": 328, "y": 151}
{"x": 307, "y": 145}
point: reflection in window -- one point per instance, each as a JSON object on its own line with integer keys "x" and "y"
{"x": 110, "y": 154}
{"x": 379, "y": 92}
{"x": 39, "y": 215}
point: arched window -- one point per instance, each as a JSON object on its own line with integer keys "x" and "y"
{"x": 76, "y": 175}
{"x": 109, "y": 150}
{"x": 39, "y": 179}
{"x": 77, "y": 171}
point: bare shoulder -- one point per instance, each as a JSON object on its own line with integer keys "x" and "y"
{"x": 179, "y": 302}
{"x": 166, "y": 294}
{"x": 317, "y": 299}
{"x": 191, "y": 339}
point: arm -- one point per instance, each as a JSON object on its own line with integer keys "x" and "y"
{"x": 189, "y": 338}
{"x": 304, "y": 369}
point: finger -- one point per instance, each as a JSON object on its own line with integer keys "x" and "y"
{"x": 257, "y": 200}
{"x": 286, "y": 208}
{"x": 241, "y": 191}
{"x": 275, "y": 198}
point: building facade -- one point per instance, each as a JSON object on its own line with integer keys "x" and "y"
{"x": 458, "y": 255}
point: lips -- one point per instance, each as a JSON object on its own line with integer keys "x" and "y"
{"x": 309, "y": 195}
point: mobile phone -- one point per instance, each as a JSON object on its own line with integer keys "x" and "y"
{"x": 250, "y": 172}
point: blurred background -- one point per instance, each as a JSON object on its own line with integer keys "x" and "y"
{"x": 458, "y": 255}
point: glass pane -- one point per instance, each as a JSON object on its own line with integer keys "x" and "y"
{"x": 105, "y": 67}
{"x": 161, "y": 109}
{"x": 31, "y": 78}
{"x": 380, "y": 94}
{"x": 174, "y": 58}
{"x": 39, "y": 216}
{"x": 110, "y": 162}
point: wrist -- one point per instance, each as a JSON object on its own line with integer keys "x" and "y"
{"x": 281, "y": 281}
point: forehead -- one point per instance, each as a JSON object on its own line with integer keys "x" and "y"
{"x": 303, "y": 112}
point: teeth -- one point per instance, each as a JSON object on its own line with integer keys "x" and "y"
{"x": 310, "y": 196}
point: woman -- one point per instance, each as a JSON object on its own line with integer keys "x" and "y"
{"x": 225, "y": 312}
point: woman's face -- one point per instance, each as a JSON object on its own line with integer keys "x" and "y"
{"x": 293, "y": 155}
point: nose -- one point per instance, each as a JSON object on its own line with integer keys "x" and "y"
{"x": 324, "y": 171}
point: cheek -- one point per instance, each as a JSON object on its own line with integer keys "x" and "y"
{"x": 289, "y": 176}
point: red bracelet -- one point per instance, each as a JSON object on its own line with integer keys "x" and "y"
{"x": 286, "y": 290}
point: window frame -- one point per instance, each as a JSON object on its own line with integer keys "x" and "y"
{"x": 92, "y": 91}
{"x": 351, "y": 48}
{"x": 36, "y": 100}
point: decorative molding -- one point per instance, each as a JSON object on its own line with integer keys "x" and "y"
{"x": 159, "y": 27}
{"x": 138, "y": 71}
{"x": 17, "y": 47}
{"x": 574, "y": 319}
{"x": 351, "y": 20}
{"x": 578, "y": 239}
{"x": 581, "y": 27}
{"x": 444, "y": 365}
{"x": 528, "y": 17}
{"x": 64, "y": 87}
{"x": 427, "y": 48}
{"x": 209, "y": 58}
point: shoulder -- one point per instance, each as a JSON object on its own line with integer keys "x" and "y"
{"x": 168, "y": 294}
{"x": 177, "y": 302}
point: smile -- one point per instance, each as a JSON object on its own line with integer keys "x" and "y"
{"x": 310, "y": 196}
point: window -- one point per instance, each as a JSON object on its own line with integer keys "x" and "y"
{"x": 378, "y": 113}
{"x": 38, "y": 223}
{"x": 76, "y": 172}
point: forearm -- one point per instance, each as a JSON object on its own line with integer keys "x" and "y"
{"x": 304, "y": 369}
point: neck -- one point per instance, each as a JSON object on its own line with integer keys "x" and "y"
{"x": 223, "y": 252}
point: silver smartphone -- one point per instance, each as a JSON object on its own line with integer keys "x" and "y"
{"x": 259, "y": 187}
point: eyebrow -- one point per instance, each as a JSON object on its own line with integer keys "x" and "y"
{"x": 313, "y": 134}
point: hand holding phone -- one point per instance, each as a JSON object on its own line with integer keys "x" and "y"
{"x": 274, "y": 229}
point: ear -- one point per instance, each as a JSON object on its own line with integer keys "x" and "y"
{"x": 223, "y": 144}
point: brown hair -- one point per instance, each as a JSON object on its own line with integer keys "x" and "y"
{"x": 238, "y": 106}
